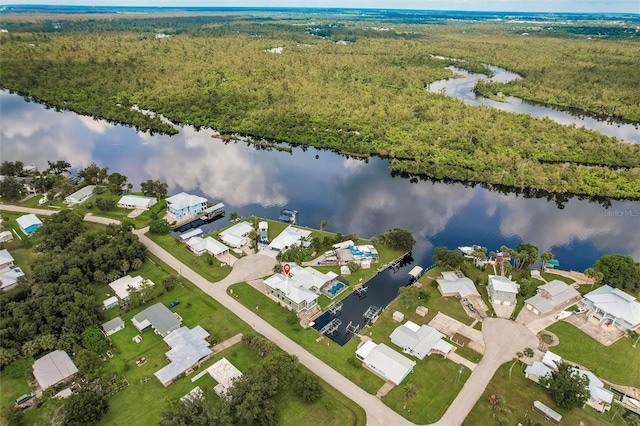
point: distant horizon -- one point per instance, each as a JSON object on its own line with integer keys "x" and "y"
{"x": 491, "y": 6}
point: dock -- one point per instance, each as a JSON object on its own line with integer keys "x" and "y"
{"x": 335, "y": 308}
{"x": 393, "y": 263}
{"x": 331, "y": 327}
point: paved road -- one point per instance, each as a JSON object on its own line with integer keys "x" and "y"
{"x": 503, "y": 338}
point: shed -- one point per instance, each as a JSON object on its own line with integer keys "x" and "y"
{"x": 398, "y": 316}
{"x": 109, "y": 303}
{"x": 546, "y": 412}
{"x": 345, "y": 271}
{"x": 422, "y": 311}
{"x": 415, "y": 272}
{"x": 113, "y": 326}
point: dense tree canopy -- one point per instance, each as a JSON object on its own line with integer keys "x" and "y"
{"x": 448, "y": 258}
{"x": 566, "y": 386}
{"x": 85, "y": 408}
{"x": 619, "y": 271}
{"x": 11, "y": 168}
{"x": 10, "y": 189}
{"x": 398, "y": 239}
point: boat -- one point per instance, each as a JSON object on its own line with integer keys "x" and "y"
{"x": 466, "y": 250}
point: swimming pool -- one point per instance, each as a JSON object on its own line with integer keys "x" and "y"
{"x": 336, "y": 288}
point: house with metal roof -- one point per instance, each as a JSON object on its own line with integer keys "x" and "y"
{"x": 199, "y": 246}
{"x": 9, "y": 273}
{"x": 551, "y": 360}
{"x": 546, "y": 412}
{"x": 290, "y": 236}
{"x": 600, "y": 398}
{"x": 614, "y": 306}
{"x": 113, "y": 326}
{"x": 189, "y": 349}
{"x": 552, "y": 296}
{"x": 223, "y": 372}
{"x": 29, "y": 223}
{"x": 123, "y": 285}
{"x": 454, "y": 283}
{"x": 385, "y": 362}
{"x": 502, "y": 290}
{"x": 419, "y": 341}
{"x": 236, "y": 236}
{"x": 159, "y": 317}
{"x": 536, "y": 371}
{"x": 136, "y": 202}
{"x": 6, "y": 237}
{"x": 53, "y": 368}
{"x": 299, "y": 289}
{"x": 184, "y": 205}
{"x": 80, "y": 195}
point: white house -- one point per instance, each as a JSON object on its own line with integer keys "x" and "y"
{"x": 6, "y": 237}
{"x": 189, "y": 349}
{"x": 298, "y": 290}
{"x": 199, "y": 246}
{"x": 502, "y": 291}
{"x": 419, "y": 341}
{"x": 122, "y": 286}
{"x": 28, "y": 223}
{"x": 536, "y": 371}
{"x": 80, "y": 195}
{"x": 551, "y": 296}
{"x": 110, "y": 302}
{"x": 608, "y": 304}
{"x": 113, "y": 326}
{"x": 136, "y": 202}
{"x": 183, "y": 205}
{"x": 454, "y": 283}
{"x": 599, "y": 398}
{"x": 9, "y": 273}
{"x": 385, "y": 362}
{"x": 236, "y": 235}
{"x": 224, "y": 373}
{"x": 290, "y": 236}
{"x": 53, "y": 368}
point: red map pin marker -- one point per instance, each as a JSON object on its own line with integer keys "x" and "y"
{"x": 286, "y": 268}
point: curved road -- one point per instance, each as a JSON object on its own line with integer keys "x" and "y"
{"x": 503, "y": 338}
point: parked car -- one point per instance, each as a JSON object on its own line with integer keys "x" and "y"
{"x": 579, "y": 310}
{"x": 174, "y": 304}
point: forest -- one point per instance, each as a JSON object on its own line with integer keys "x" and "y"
{"x": 350, "y": 86}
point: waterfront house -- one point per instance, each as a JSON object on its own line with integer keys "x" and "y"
{"x": 53, "y": 368}
{"x": 80, "y": 195}
{"x": 183, "y": 205}
{"x": 613, "y": 306}
{"x": 236, "y": 235}
{"x": 199, "y": 246}
{"x": 290, "y": 236}
{"x": 159, "y": 317}
{"x": 136, "y": 202}
{"x": 454, "y": 283}
{"x": 299, "y": 289}
{"x": 29, "y": 223}
{"x": 551, "y": 296}
{"x": 502, "y": 291}
{"x": 189, "y": 349}
{"x": 385, "y": 362}
{"x": 419, "y": 341}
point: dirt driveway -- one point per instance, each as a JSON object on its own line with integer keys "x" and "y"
{"x": 450, "y": 326}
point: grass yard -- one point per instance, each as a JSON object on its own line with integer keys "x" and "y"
{"x": 14, "y": 381}
{"x": 550, "y": 276}
{"x": 618, "y": 363}
{"x": 519, "y": 393}
{"x": 200, "y": 264}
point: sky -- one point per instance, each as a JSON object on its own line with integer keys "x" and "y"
{"x": 626, "y": 6}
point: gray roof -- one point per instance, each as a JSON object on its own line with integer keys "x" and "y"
{"x": 551, "y": 295}
{"x": 53, "y": 368}
{"x": 537, "y": 369}
{"x": 547, "y": 411}
{"x": 389, "y": 363}
{"x": 461, "y": 285}
{"x": 111, "y": 324}
{"x": 187, "y": 348}
{"x": 616, "y": 303}
{"x": 160, "y": 318}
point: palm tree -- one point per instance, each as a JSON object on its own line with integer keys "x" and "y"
{"x": 409, "y": 392}
{"x": 323, "y": 224}
{"x": 518, "y": 357}
{"x": 545, "y": 257}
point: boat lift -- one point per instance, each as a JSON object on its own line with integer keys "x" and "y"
{"x": 372, "y": 313}
{"x": 331, "y": 327}
{"x": 335, "y": 308}
{"x": 352, "y": 328}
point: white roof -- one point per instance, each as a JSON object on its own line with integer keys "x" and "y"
{"x": 537, "y": 369}
{"x": 27, "y": 220}
{"x": 343, "y": 245}
{"x": 263, "y": 225}
{"x": 596, "y": 388}
{"x": 240, "y": 229}
{"x": 364, "y": 350}
{"x": 5, "y": 257}
{"x": 391, "y": 364}
{"x": 452, "y": 283}
{"x": 184, "y": 200}
{"x": 190, "y": 234}
{"x": 233, "y": 240}
{"x": 290, "y": 288}
{"x": 616, "y": 303}
{"x": 123, "y": 285}
{"x": 551, "y": 295}
{"x": 4, "y": 234}
{"x": 188, "y": 346}
{"x": 288, "y": 237}
{"x": 418, "y": 340}
{"x": 9, "y": 276}
{"x": 503, "y": 284}
{"x": 304, "y": 278}
{"x": 110, "y": 301}
{"x": 550, "y": 359}
{"x": 214, "y": 247}
{"x": 224, "y": 373}
{"x": 193, "y": 394}
{"x": 136, "y": 200}
{"x": 81, "y": 193}
{"x": 53, "y": 368}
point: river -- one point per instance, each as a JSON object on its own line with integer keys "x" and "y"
{"x": 461, "y": 87}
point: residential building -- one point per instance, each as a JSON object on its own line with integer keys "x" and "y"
{"x": 552, "y": 296}
{"x": 110, "y": 302}
{"x": 53, "y": 368}
{"x": 189, "y": 349}
{"x": 122, "y": 286}
{"x": 502, "y": 291}
{"x": 80, "y": 195}
{"x": 614, "y": 306}
{"x": 385, "y": 362}
{"x": 419, "y": 341}
{"x": 183, "y": 205}
{"x": 159, "y": 317}
{"x": 454, "y": 283}
{"x": 9, "y": 273}
{"x": 536, "y": 371}
{"x": 136, "y": 202}
{"x": 199, "y": 246}
{"x": 113, "y": 326}
{"x": 298, "y": 290}
{"x": 364, "y": 253}
{"x": 236, "y": 235}
{"x": 290, "y": 236}
{"x": 551, "y": 360}
{"x": 29, "y": 223}
{"x": 600, "y": 398}
{"x": 6, "y": 237}
{"x": 224, "y": 373}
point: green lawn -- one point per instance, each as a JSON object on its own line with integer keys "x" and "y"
{"x": 519, "y": 393}
{"x": 618, "y": 363}
{"x": 14, "y": 381}
{"x": 550, "y": 276}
